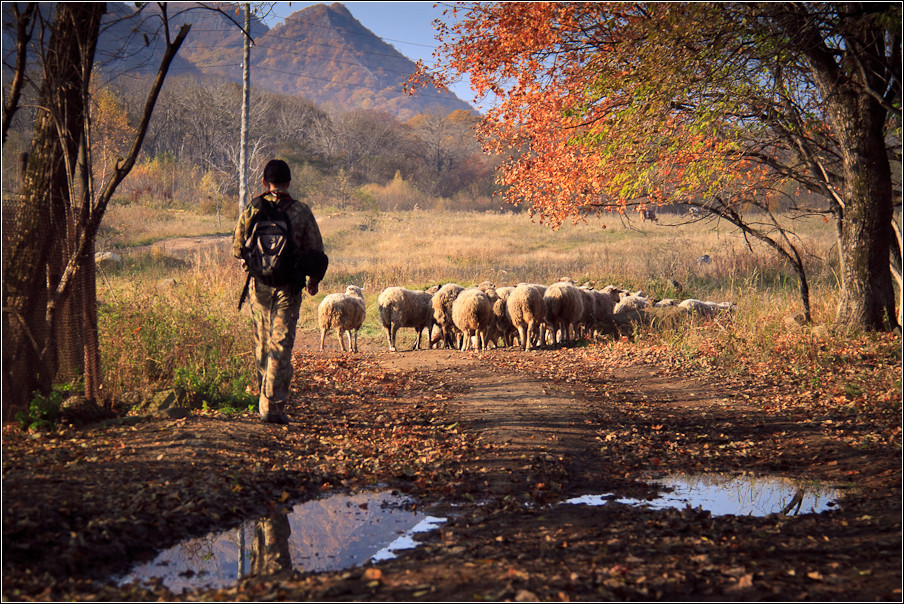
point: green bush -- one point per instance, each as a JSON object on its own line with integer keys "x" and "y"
{"x": 152, "y": 341}
{"x": 43, "y": 411}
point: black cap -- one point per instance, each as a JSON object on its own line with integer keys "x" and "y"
{"x": 277, "y": 171}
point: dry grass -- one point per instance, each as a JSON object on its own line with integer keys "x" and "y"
{"x": 165, "y": 321}
{"x": 134, "y": 225}
{"x": 418, "y": 248}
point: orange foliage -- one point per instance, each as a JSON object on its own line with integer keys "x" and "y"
{"x": 111, "y": 133}
{"x": 601, "y": 106}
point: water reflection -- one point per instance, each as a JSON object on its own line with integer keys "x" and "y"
{"x": 325, "y": 534}
{"x": 270, "y": 547}
{"x": 722, "y": 494}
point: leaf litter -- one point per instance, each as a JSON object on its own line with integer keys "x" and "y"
{"x": 81, "y": 504}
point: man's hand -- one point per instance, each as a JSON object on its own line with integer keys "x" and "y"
{"x": 312, "y": 287}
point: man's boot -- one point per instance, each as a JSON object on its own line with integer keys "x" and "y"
{"x": 263, "y": 407}
{"x": 278, "y": 413}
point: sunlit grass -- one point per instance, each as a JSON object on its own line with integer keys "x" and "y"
{"x": 136, "y": 225}
{"x": 419, "y": 248}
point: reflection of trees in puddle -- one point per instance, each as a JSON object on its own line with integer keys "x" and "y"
{"x": 739, "y": 495}
{"x": 270, "y": 546}
{"x": 749, "y": 495}
{"x": 794, "y": 504}
{"x": 327, "y": 534}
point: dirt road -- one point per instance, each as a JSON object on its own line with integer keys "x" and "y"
{"x": 503, "y": 438}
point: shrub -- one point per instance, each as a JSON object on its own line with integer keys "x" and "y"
{"x": 189, "y": 335}
{"x": 43, "y": 411}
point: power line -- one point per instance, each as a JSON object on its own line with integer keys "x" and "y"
{"x": 300, "y": 54}
{"x": 192, "y": 67}
{"x": 398, "y": 55}
{"x": 369, "y": 34}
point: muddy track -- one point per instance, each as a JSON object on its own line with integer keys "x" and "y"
{"x": 549, "y": 424}
{"x": 533, "y": 422}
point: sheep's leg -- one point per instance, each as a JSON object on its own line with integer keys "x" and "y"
{"x": 417, "y": 339}
{"x": 395, "y": 333}
{"x": 322, "y": 338}
{"x": 355, "y": 347}
{"x": 341, "y": 341}
{"x": 389, "y": 339}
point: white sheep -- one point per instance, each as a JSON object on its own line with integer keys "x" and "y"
{"x": 489, "y": 289}
{"x": 527, "y": 312}
{"x": 544, "y": 325}
{"x": 706, "y": 309}
{"x": 605, "y": 305}
{"x": 472, "y": 313}
{"x": 564, "y": 308}
{"x": 614, "y": 291}
{"x": 631, "y": 303}
{"x": 589, "y": 315}
{"x": 502, "y": 325}
{"x": 400, "y": 307}
{"x": 345, "y": 312}
{"x": 442, "y": 310}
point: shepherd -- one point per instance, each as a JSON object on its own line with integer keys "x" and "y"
{"x": 279, "y": 243}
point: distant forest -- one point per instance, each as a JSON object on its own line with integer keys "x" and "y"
{"x": 190, "y": 158}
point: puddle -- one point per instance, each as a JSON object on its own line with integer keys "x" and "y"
{"x": 736, "y": 495}
{"x": 326, "y": 534}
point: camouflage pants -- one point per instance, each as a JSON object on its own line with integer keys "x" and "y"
{"x": 274, "y": 312}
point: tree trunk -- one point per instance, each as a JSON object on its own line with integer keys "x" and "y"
{"x": 857, "y": 119}
{"x": 31, "y": 264}
{"x": 246, "y": 94}
{"x": 867, "y": 295}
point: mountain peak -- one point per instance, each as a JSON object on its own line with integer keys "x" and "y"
{"x": 322, "y": 53}
{"x": 340, "y": 64}
{"x": 339, "y": 8}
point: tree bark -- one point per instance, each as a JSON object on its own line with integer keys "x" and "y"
{"x": 32, "y": 264}
{"x": 867, "y": 295}
{"x": 857, "y": 119}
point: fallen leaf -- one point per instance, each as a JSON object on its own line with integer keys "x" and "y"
{"x": 372, "y": 574}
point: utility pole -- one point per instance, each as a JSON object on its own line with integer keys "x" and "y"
{"x": 246, "y": 93}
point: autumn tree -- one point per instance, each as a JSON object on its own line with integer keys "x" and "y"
{"x": 448, "y": 141}
{"x": 602, "y": 106}
{"x": 112, "y": 133}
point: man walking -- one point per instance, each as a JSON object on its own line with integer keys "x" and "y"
{"x": 280, "y": 244}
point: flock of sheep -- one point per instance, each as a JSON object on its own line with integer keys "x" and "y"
{"x": 483, "y": 316}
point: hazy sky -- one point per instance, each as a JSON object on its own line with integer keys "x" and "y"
{"x": 408, "y": 26}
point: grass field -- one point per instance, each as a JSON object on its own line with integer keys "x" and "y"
{"x": 184, "y": 327}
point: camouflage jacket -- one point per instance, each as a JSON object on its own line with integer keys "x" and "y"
{"x": 305, "y": 232}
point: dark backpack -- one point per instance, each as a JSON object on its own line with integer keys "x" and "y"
{"x": 269, "y": 250}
